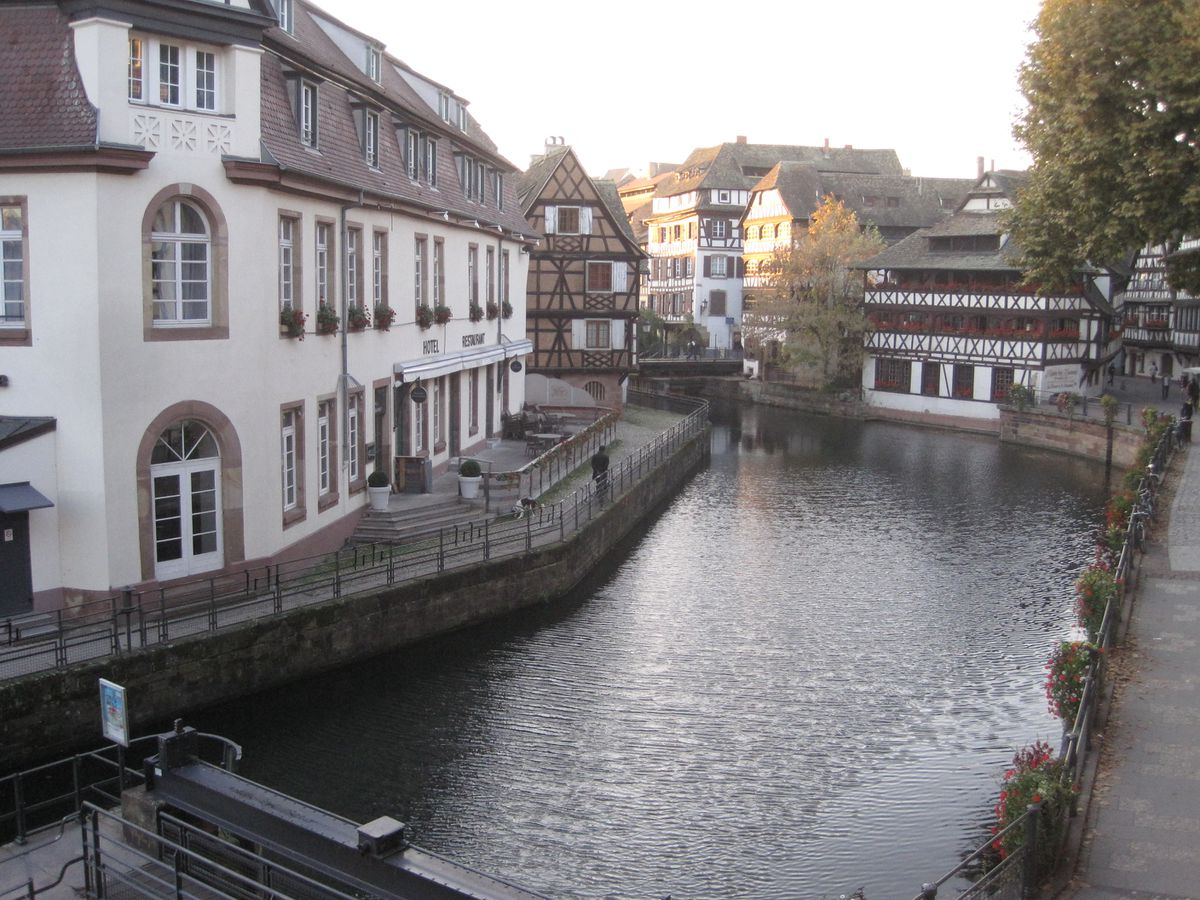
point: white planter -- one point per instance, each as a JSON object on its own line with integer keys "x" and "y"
{"x": 469, "y": 487}
{"x": 378, "y": 497}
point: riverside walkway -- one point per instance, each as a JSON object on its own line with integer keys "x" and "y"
{"x": 1142, "y": 833}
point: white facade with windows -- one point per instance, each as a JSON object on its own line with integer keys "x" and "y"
{"x": 194, "y": 429}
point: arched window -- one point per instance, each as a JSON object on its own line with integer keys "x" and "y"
{"x": 181, "y": 272}
{"x": 185, "y": 479}
{"x": 595, "y": 390}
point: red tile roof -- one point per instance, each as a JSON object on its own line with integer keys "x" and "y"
{"x": 44, "y": 103}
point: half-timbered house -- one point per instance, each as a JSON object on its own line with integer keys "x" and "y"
{"x": 1149, "y": 310}
{"x": 581, "y": 295}
{"x": 235, "y": 237}
{"x": 695, "y": 229}
{"x": 955, "y": 326}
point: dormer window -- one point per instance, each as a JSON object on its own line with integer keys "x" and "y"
{"x": 498, "y": 181}
{"x": 371, "y": 139}
{"x": 412, "y": 154}
{"x": 286, "y": 21}
{"x": 171, "y": 74}
{"x": 444, "y": 106}
{"x": 462, "y": 117}
{"x": 722, "y": 196}
{"x": 429, "y": 160}
{"x": 308, "y": 114}
{"x": 374, "y": 64}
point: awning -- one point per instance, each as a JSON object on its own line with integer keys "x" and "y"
{"x": 448, "y": 363}
{"x": 21, "y": 496}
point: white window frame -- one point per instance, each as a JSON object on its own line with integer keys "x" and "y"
{"x": 324, "y": 481}
{"x": 436, "y": 400}
{"x": 371, "y": 139}
{"x": 204, "y": 82}
{"x": 718, "y": 267}
{"x": 352, "y": 423}
{"x": 137, "y": 69}
{"x": 178, "y": 240}
{"x": 287, "y": 268}
{"x": 290, "y": 484}
{"x": 309, "y": 133}
{"x": 462, "y": 117}
{"x": 418, "y": 427}
{"x": 438, "y": 273}
{"x": 504, "y": 270}
{"x": 374, "y": 64}
{"x": 429, "y": 160}
{"x": 444, "y": 106}
{"x": 489, "y": 276}
{"x": 498, "y": 185}
{"x": 378, "y": 258}
{"x": 718, "y": 229}
{"x": 12, "y": 260}
{"x": 597, "y": 328}
{"x": 473, "y": 275}
{"x": 193, "y": 74}
{"x": 286, "y": 18}
{"x": 323, "y": 232}
{"x": 412, "y": 154}
{"x": 352, "y": 242}
{"x": 724, "y": 197}
{"x": 419, "y": 248}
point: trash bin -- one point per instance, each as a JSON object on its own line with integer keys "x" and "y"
{"x": 1184, "y": 432}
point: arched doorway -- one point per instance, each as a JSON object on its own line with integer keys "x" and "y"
{"x": 185, "y": 481}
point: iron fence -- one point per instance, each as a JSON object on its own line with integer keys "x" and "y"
{"x": 133, "y": 620}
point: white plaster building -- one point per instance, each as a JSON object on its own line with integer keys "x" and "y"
{"x": 190, "y": 191}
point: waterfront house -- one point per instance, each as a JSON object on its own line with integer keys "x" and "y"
{"x": 235, "y": 237}
{"x": 581, "y": 296}
{"x": 954, "y": 325}
{"x": 695, "y": 232}
{"x": 1159, "y": 325}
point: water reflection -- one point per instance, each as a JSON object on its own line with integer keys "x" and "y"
{"x": 806, "y": 676}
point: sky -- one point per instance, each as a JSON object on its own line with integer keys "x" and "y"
{"x": 628, "y": 82}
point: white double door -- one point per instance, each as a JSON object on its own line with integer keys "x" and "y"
{"x": 187, "y": 517}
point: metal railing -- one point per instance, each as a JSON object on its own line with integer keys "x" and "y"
{"x": 1076, "y": 741}
{"x": 133, "y": 620}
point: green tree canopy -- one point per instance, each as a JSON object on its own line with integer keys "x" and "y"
{"x": 1112, "y": 124}
{"x": 813, "y": 306}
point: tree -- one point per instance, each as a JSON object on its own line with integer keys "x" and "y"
{"x": 813, "y": 305}
{"x": 1112, "y": 124}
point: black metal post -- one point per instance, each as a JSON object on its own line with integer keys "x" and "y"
{"x": 1029, "y": 872}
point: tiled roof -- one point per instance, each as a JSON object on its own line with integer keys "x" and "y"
{"x": 44, "y": 103}
{"x": 967, "y": 223}
{"x": 339, "y": 157}
{"x": 913, "y": 253}
{"x": 530, "y": 182}
{"x": 608, "y": 193}
{"x": 725, "y": 165}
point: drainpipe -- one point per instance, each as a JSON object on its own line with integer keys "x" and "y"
{"x": 344, "y": 378}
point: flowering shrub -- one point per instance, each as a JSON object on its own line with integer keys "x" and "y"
{"x": 1035, "y": 777}
{"x": 1020, "y": 396}
{"x": 292, "y": 321}
{"x": 384, "y": 316}
{"x": 1116, "y": 519}
{"x": 1064, "y": 678}
{"x": 327, "y": 319}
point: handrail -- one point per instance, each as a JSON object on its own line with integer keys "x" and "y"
{"x": 137, "y": 620}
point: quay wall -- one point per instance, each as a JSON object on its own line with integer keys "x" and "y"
{"x": 50, "y": 715}
{"x": 1044, "y": 427}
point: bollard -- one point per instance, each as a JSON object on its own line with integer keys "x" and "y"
{"x": 1029, "y": 872}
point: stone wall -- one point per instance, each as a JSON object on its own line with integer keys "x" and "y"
{"x": 51, "y": 715}
{"x": 1052, "y": 430}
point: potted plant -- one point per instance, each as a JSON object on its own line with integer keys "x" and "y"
{"x": 507, "y": 309}
{"x": 469, "y": 477}
{"x": 425, "y": 315}
{"x": 378, "y": 490}
{"x": 291, "y": 322}
{"x": 475, "y": 313}
{"x": 384, "y": 316}
{"x": 493, "y": 309}
{"x": 327, "y": 319}
{"x": 442, "y": 314}
{"x": 357, "y": 317}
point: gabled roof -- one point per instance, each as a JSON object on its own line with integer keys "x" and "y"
{"x": 913, "y": 252}
{"x": 44, "y": 105}
{"x": 739, "y": 166}
{"x": 608, "y": 194}
{"x": 529, "y": 183}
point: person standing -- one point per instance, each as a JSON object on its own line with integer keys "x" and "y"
{"x": 600, "y": 472}
{"x": 1193, "y": 392}
{"x": 1154, "y": 371}
{"x": 1112, "y": 370}
{"x": 1166, "y": 385}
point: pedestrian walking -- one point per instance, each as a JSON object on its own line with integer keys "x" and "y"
{"x": 1166, "y": 385}
{"x": 600, "y": 473}
{"x": 1112, "y": 370}
{"x": 1154, "y": 371}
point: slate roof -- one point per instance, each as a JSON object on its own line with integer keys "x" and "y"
{"x": 18, "y": 429}
{"x": 725, "y": 165}
{"x": 608, "y": 193}
{"x": 44, "y": 103}
{"x": 529, "y": 184}
{"x": 339, "y": 158}
{"x": 913, "y": 252}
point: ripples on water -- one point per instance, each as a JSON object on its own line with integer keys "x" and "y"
{"x": 805, "y": 677}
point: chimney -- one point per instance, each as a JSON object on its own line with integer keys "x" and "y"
{"x": 993, "y": 168}
{"x": 826, "y": 151}
{"x": 741, "y": 139}
{"x": 979, "y": 168}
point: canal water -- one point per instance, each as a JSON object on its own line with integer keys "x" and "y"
{"x": 805, "y": 676}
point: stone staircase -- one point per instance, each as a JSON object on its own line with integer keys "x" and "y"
{"x": 402, "y": 523}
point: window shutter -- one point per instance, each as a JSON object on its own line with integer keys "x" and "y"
{"x": 620, "y": 278}
{"x": 741, "y": 267}
{"x": 551, "y": 220}
{"x": 585, "y": 220}
{"x": 708, "y": 267}
{"x": 618, "y": 335}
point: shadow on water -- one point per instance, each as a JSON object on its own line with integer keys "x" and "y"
{"x": 804, "y": 675}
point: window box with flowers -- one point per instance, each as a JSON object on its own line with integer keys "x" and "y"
{"x": 506, "y": 309}
{"x": 493, "y": 310}
{"x": 442, "y": 314}
{"x": 425, "y": 316}
{"x": 384, "y": 316}
{"x": 327, "y": 319}
{"x": 475, "y": 313}
{"x": 291, "y": 322}
{"x": 357, "y": 318}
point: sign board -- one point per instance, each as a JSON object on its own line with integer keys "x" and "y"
{"x": 515, "y": 365}
{"x": 1060, "y": 378}
{"x": 114, "y": 714}
{"x": 418, "y": 394}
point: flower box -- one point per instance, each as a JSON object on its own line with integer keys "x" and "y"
{"x": 475, "y": 313}
{"x": 493, "y": 310}
{"x": 291, "y": 322}
{"x": 357, "y": 318}
{"x": 327, "y": 319}
{"x": 424, "y": 316}
{"x": 442, "y": 315}
{"x": 384, "y": 316}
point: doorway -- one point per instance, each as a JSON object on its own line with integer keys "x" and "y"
{"x": 16, "y": 587}
{"x": 185, "y": 479}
